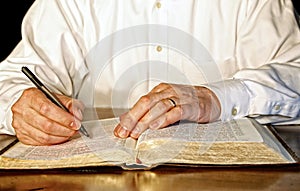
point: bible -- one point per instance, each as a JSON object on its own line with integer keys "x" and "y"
{"x": 234, "y": 143}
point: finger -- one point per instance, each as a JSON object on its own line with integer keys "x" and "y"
{"x": 161, "y": 87}
{"x": 43, "y": 106}
{"x": 35, "y": 99}
{"x": 160, "y": 108}
{"x": 42, "y": 124}
{"x": 27, "y": 140}
{"x": 76, "y": 107}
{"x": 50, "y": 127}
{"x": 31, "y": 135}
{"x": 172, "y": 116}
{"x": 31, "y": 141}
{"x": 121, "y": 130}
{"x": 129, "y": 120}
{"x": 39, "y": 141}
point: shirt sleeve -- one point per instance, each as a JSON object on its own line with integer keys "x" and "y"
{"x": 49, "y": 48}
{"x": 268, "y": 91}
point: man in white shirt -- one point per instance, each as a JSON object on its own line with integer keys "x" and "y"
{"x": 198, "y": 60}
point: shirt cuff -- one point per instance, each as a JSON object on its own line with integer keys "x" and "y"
{"x": 6, "y": 125}
{"x": 6, "y": 118}
{"x": 233, "y": 97}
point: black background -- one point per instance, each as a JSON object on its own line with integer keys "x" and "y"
{"x": 11, "y": 15}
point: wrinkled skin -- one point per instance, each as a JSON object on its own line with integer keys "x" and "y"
{"x": 38, "y": 121}
{"x": 155, "y": 110}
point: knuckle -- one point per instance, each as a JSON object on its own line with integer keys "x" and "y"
{"x": 14, "y": 108}
{"x": 168, "y": 120}
{"x": 145, "y": 99}
{"x": 48, "y": 126}
{"x": 26, "y": 115}
{"x": 164, "y": 104}
{"x": 163, "y": 84}
{"x": 138, "y": 129}
{"x": 185, "y": 111}
{"x": 26, "y": 96}
{"x": 22, "y": 138}
{"x": 46, "y": 139}
{"x": 15, "y": 124}
{"x": 77, "y": 105}
{"x": 123, "y": 116}
{"x": 17, "y": 107}
{"x": 44, "y": 108}
{"x": 27, "y": 92}
{"x": 141, "y": 125}
{"x": 158, "y": 86}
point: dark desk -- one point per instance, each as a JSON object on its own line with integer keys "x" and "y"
{"x": 163, "y": 177}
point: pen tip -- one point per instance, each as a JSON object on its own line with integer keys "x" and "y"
{"x": 84, "y": 131}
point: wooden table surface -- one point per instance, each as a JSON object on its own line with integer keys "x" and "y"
{"x": 160, "y": 178}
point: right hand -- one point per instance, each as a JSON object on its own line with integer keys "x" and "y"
{"x": 38, "y": 121}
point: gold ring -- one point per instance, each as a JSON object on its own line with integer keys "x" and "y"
{"x": 172, "y": 102}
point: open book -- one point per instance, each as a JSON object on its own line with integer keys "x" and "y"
{"x": 238, "y": 142}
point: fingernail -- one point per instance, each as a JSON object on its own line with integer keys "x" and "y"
{"x": 75, "y": 125}
{"x": 123, "y": 133}
{"x": 154, "y": 125}
{"x": 135, "y": 133}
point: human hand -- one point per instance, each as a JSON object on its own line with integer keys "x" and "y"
{"x": 166, "y": 104}
{"x": 38, "y": 121}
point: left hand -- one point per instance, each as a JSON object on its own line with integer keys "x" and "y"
{"x": 166, "y": 104}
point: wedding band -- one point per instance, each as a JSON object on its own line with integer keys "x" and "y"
{"x": 172, "y": 102}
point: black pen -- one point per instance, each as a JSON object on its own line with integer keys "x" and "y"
{"x": 48, "y": 93}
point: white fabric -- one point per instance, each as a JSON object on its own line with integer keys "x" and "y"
{"x": 254, "y": 44}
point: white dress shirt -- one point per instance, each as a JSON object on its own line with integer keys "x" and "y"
{"x": 109, "y": 53}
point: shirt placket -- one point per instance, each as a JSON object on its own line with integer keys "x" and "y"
{"x": 158, "y": 49}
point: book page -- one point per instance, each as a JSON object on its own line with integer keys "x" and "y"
{"x": 227, "y": 143}
{"x": 102, "y": 141}
{"x": 233, "y": 131}
{"x": 231, "y": 143}
{"x": 101, "y": 147}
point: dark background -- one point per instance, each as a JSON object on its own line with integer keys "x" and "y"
{"x": 11, "y": 15}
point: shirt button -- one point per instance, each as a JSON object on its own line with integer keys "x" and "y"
{"x": 158, "y": 48}
{"x": 158, "y": 5}
{"x": 234, "y": 111}
{"x": 277, "y": 107}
